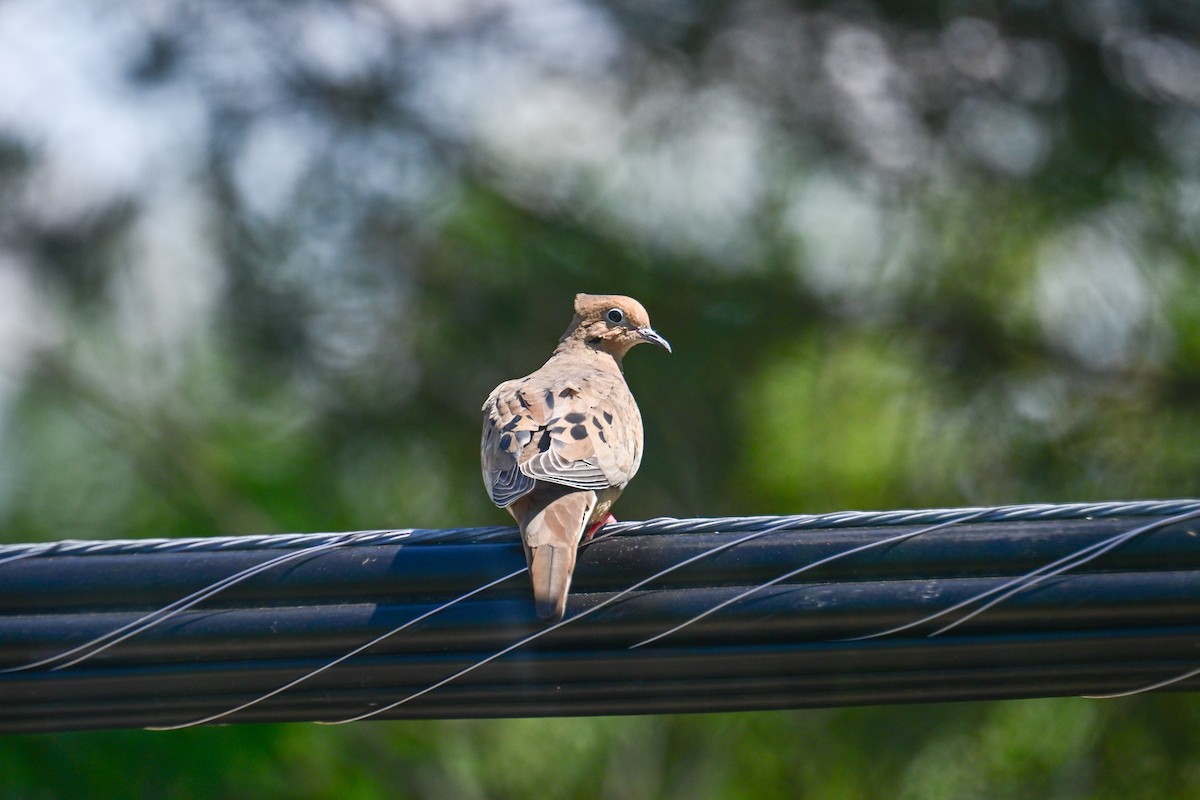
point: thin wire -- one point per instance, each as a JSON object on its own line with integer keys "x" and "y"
{"x": 557, "y": 625}
{"x": 1150, "y": 688}
{"x": 164, "y": 613}
{"x": 1104, "y": 547}
{"x": 338, "y": 660}
{"x": 1069, "y": 560}
{"x": 813, "y": 565}
{"x": 361, "y": 648}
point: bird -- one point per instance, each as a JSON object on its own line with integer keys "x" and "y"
{"x": 561, "y": 444}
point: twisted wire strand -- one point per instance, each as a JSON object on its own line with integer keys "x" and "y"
{"x": 147, "y": 621}
{"x": 356, "y": 650}
{"x": 333, "y": 663}
{"x": 657, "y": 525}
{"x": 965, "y": 518}
{"x": 1062, "y": 565}
{"x": 561, "y": 623}
{"x": 1020, "y": 583}
{"x": 944, "y": 518}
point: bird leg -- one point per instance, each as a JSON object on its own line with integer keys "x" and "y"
{"x": 595, "y": 526}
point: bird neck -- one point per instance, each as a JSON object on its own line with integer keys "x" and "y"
{"x": 574, "y": 345}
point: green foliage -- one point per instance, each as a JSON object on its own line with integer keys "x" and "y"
{"x": 848, "y": 424}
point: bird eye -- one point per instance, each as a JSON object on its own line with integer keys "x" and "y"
{"x": 615, "y": 315}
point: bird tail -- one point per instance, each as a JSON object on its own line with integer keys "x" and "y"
{"x": 551, "y": 568}
{"x": 551, "y": 533}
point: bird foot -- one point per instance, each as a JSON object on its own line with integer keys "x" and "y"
{"x": 591, "y": 531}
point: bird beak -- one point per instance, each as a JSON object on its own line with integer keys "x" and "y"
{"x": 650, "y": 335}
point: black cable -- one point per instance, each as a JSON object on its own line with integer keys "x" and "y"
{"x": 1124, "y": 620}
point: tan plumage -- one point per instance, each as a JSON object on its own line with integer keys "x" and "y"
{"x": 560, "y": 444}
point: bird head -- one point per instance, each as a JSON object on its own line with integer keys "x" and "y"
{"x": 613, "y": 323}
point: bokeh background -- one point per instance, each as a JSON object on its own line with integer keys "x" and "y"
{"x": 261, "y": 261}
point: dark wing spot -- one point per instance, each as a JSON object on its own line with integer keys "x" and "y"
{"x": 505, "y": 441}
{"x": 603, "y": 438}
{"x": 568, "y": 392}
{"x": 575, "y": 417}
{"x": 549, "y": 399}
{"x": 544, "y": 442}
{"x": 557, "y": 429}
{"x": 512, "y": 423}
{"x": 608, "y": 417}
{"x": 578, "y": 432}
{"x": 596, "y": 422}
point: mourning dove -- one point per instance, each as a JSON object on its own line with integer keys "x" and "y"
{"x": 560, "y": 444}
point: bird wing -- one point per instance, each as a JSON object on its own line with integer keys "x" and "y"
{"x": 570, "y": 426}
